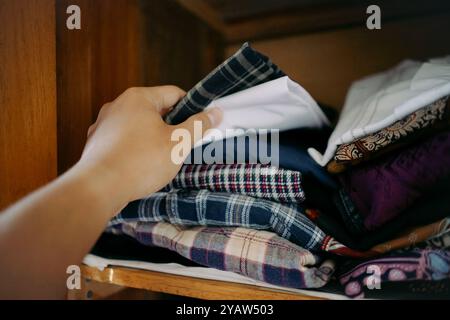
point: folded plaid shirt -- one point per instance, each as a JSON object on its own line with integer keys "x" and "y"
{"x": 205, "y": 208}
{"x": 245, "y": 69}
{"x": 256, "y": 180}
{"x": 257, "y": 254}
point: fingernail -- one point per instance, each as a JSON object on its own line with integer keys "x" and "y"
{"x": 215, "y": 116}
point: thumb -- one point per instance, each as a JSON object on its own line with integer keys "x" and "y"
{"x": 205, "y": 120}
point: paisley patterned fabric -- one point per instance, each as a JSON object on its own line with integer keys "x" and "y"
{"x": 399, "y": 266}
{"x": 423, "y": 264}
{"x": 413, "y": 237}
{"x": 418, "y": 124}
{"x": 402, "y": 238}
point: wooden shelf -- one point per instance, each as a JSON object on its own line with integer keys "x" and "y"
{"x": 186, "y": 286}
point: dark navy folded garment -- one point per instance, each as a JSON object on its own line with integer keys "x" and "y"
{"x": 245, "y": 69}
{"x": 292, "y": 155}
{"x": 124, "y": 247}
{"x": 318, "y": 185}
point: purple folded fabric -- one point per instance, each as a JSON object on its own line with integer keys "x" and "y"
{"x": 382, "y": 190}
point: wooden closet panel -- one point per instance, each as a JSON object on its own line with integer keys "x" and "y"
{"x": 180, "y": 48}
{"x": 124, "y": 43}
{"x": 27, "y": 97}
{"x": 94, "y": 65}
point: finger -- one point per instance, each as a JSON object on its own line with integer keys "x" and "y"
{"x": 163, "y": 97}
{"x": 170, "y": 95}
{"x": 206, "y": 120}
{"x": 91, "y": 130}
{"x": 103, "y": 110}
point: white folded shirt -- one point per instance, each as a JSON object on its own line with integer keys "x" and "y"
{"x": 378, "y": 101}
{"x": 278, "y": 104}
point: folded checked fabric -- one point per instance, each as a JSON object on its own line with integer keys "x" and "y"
{"x": 378, "y": 101}
{"x": 257, "y": 254}
{"x": 256, "y": 180}
{"x": 245, "y": 69}
{"x": 205, "y": 208}
{"x": 428, "y": 261}
{"x": 381, "y": 191}
{"x": 290, "y": 221}
{"x": 419, "y": 124}
{"x": 317, "y": 184}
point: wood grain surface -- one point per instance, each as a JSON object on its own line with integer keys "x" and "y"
{"x": 186, "y": 286}
{"x": 27, "y": 97}
{"x": 121, "y": 44}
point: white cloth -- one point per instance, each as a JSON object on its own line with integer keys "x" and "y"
{"x": 441, "y": 60}
{"x": 378, "y": 101}
{"x": 199, "y": 272}
{"x": 278, "y": 104}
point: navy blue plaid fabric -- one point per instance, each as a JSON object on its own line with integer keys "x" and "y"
{"x": 245, "y": 69}
{"x": 202, "y": 207}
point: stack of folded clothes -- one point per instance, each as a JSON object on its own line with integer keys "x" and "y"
{"x": 391, "y": 154}
{"x": 376, "y": 197}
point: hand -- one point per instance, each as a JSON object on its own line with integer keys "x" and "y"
{"x": 127, "y": 156}
{"x": 129, "y": 146}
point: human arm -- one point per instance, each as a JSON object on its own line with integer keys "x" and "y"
{"x": 127, "y": 156}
